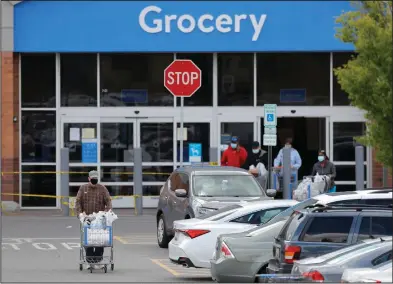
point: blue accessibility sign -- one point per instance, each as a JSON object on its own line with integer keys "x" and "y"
{"x": 195, "y": 152}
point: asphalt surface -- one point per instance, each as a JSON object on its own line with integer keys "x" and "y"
{"x": 46, "y": 249}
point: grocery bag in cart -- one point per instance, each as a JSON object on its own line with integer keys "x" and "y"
{"x": 310, "y": 187}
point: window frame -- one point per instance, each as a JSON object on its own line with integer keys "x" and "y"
{"x": 311, "y": 220}
{"x": 360, "y": 221}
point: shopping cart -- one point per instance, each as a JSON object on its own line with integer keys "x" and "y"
{"x": 278, "y": 181}
{"x": 96, "y": 237}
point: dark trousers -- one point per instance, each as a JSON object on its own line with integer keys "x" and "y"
{"x": 94, "y": 254}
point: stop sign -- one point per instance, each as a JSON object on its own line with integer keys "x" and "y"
{"x": 182, "y": 78}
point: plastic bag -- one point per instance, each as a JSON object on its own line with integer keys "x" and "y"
{"x": 302, "y": 191}
{"x": 262, "y": 170}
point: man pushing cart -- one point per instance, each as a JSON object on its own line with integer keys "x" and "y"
{"x": 93, "y": 197}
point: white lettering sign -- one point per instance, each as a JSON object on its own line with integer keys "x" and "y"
{"x": 186, "y": 23}
{"x": 182, "y": 78}
{"x": 44, "y": 246}
{"x": 71, "y": 246}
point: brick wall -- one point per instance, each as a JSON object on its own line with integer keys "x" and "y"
{"x": 9, "y": 129}
{"x": 378, "y": 173}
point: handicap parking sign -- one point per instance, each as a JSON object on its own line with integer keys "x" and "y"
{"x": 195, "y": 152}
{"x": 270, "y": 117}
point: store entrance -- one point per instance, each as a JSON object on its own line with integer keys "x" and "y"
{"x": 309, "y": 136}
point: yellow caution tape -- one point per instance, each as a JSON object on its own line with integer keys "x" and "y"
{"x": 72, "y": 203}
{"x": 84, "y": 173}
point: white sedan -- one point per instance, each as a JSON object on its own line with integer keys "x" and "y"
{"x": 378, "y": 274}
{"x": 194, "y": 242}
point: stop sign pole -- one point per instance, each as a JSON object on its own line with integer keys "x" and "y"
{"x": 182, "y": 78}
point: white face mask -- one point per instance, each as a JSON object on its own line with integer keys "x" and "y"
{"x": 255, "y": 151}
{"x": 233, "y": 145}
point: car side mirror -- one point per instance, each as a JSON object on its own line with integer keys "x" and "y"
{"x": 271, "y": 192}
{"x": 181, "y": 192}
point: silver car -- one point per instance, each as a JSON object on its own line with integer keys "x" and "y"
{"x": 330, "y": 267}
{"x": 194, "y": 191}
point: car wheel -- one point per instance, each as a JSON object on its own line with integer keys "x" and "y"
{"x": 162, "y": 237}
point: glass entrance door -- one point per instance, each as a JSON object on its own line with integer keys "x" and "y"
{"x": 309, "y": 134}
{"x": 342, "y": 149}
{"x": 245, "y": 130}
{"x": 107, "y": 144}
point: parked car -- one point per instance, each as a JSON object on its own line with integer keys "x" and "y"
{"x": 330, "y": 267}
{"x": 193, "y": 191}
{"x": 194, "y": 241}
{"x": 252, "y": 250}
{"x": 314, "y": 232}
{"x": 379, "y": 274}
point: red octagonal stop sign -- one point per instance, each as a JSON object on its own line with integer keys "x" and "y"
{"x": 182, "y": 78}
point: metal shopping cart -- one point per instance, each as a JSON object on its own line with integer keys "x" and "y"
{"x": 278, "y": 180}
{"x": 96, "y": 237}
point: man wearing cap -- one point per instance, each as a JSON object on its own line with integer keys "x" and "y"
{"x": 255, "y": 160}
{"x": 235, "y": 155}
{"x": 92, "y": 197}
{"x": 257, "y": 156}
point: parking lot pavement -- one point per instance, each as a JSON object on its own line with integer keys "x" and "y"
{"x": 46, "y": 249}
{"x": 183, "y": 272}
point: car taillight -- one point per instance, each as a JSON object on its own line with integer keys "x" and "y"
{"x": 292, "y": 253}
{"x": 314, "y": 275}
{"x": 195, "y": 233}
{"x": 225, "y": 251}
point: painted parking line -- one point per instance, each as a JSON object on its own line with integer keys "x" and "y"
{"x": 69, "y": 243}
{"x": 180, "y": 271}
{"x": 137, "y": 239}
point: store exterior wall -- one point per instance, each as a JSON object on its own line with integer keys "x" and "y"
{"x": 9, "y": 104}
{"x": 85, "y": 88}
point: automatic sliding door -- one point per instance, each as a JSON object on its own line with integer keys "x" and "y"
{"x": 81, "y": 138}
{"x": 243, "y": 130}
{"x": 156, "y": 140}
{"x": 197, "y": 132}
{"x": 117, "y": 160}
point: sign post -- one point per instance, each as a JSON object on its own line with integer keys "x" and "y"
{"x": 270, "y": 135}
{"x": 182, "y": 78}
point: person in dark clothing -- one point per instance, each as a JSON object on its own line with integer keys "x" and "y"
{"x": 257, "y": 155}
{"x": 325, "y": 167}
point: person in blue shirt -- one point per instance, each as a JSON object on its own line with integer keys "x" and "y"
{"x": 296, "y": 162}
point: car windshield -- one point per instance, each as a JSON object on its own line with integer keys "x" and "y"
{"x": 227, "y": 186}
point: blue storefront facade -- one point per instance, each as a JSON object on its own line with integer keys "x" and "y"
{"x": 91, "y": 79}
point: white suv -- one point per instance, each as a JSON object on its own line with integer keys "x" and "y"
{"x": 381, "y": 197}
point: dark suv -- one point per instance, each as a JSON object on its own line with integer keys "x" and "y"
{"x": 317, "y": 231}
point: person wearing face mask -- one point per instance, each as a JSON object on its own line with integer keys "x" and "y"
{"x": 325, "y": 168}
{"x": 257, "y": 156}
{"x": 91, "y": 198}
{"x": 296, "y": 162}
{"x": 235, "y": 155}
{"x": 254, "y": 161}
